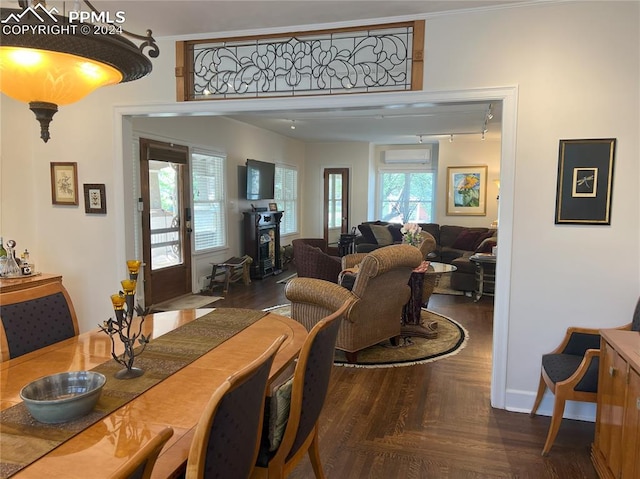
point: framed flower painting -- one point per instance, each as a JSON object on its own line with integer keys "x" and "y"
{"x": 467, "y": 190}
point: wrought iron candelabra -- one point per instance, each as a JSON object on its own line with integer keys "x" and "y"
{"x": 122, "y": 326}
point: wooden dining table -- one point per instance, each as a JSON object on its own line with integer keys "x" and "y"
{"x": 177, "y": 401}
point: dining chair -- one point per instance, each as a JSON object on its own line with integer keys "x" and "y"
{"x": 308, "y": 389}
{"x": 36, "y": 317}
{"x": 141, "y": 463}
{"x": 227, "y": 437}
{"x": 570, "y": 372}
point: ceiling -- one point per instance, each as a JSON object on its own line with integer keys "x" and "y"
{"x": 402, "y": 124}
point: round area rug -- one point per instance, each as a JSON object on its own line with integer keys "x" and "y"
{"x": 452, "y": 338}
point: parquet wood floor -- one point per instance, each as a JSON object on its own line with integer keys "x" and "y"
{"x": 431, "y": 421}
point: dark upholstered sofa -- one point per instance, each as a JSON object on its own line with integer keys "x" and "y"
{"x": 455, "y": 245}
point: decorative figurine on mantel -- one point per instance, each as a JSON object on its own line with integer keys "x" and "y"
{"x": 124, "y": 307}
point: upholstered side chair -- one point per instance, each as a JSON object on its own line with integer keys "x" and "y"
{"x": 140, "y": 466}
{"x": 34, "y": 318}
{"x": 227, "y": 437}
{"x": 307, "y": 391}
{"x": 380, "y": 286}
{"x": 570, "y": 372}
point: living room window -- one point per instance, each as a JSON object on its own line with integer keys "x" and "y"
{"x": 407, "y": 196}
{"x": 286, "y": 196}
{"x": 209, "y": 212}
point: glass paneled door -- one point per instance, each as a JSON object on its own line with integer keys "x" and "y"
{"x": 336, "y": 204}
{"x": 166, "y": 220}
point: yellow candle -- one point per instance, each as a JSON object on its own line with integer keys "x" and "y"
{"x": 117, "y": 301}
{"x": 128, "y": 285}
{"x": 133, "y": 265}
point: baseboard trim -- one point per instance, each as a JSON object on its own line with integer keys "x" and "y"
{"x": 522, "y": 402}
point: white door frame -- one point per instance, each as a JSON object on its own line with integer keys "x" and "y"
{"x": 507, "y": 95}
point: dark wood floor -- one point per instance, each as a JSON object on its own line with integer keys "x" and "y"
{"x": 432, "y": 420}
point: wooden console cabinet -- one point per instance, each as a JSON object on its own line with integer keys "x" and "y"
{"x": 616, "y": 448}
{"x": 262, "y": 242}
{"x": 7, "y": 285}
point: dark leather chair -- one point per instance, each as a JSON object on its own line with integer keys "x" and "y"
{"x": 308, "y": 390}
{"x": 312, "y": 260}
{"x": 227, "y": 437}
{"x": 140, "y": 466}
{"x": 34, "y": 318}
{"x": 571, "y": 372}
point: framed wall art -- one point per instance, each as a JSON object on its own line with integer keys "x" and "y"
{"x": 585, "y": 180}
{"x": 64, "y": 183}
{"x": 273, "y": 206}
{"x": 95, "y": 200}
{"x": 467, "y": 190}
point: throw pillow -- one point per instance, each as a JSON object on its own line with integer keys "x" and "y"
{"x": 396, "y": 234}
{"x": 466, "y": 240}
{"x": 367, "y": 234}
{"x": 382, "y": 235}
{"x": 279, "y": 413}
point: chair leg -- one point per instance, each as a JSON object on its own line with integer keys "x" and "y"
{"x": 351, "y": 357}
{"x": 542, "y": 386}
{"x": 314, "y": 456}
{"x": 556, "y": 419}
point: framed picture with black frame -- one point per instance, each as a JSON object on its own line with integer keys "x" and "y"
{"x": 95, "y": 200}
{"x": 585, "y": 181}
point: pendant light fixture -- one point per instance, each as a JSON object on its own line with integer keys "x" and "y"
{"x": 48, "y": 60}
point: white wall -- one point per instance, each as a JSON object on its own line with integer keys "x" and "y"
{"x": 577, "y": 68}
{"x": 576, "y": 65}
{"x": 318, "y": 157}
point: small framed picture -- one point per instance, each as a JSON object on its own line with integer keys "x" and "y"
{"x": 273, "y": 206}
{"x": 466, "y": 190}
{"x": 585, "y": 181}
{"x": 64, "y": 183}
{"x": 95, "y": 200}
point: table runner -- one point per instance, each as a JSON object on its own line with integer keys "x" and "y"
{"x": 23, "y": 440}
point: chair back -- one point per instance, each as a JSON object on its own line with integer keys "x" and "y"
{"x": 311, "y": 382}
{"x": 635, "y": 322}
{"x": 141, "y": 464}
{"x": 427, "y": 245}
{"x": 226, "y": 440}
{"x": 378, "y": 267}
{"x": 312, "y": 261}
{"x": 34, "y": 318}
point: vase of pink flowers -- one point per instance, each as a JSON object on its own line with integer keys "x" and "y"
{"x": 411, "y": 234}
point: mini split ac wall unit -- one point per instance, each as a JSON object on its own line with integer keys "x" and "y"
{"x": 421, "y": 155}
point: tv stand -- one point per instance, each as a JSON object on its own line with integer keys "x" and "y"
{"x": 262, "y": 242}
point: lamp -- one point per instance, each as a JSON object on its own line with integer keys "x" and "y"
{"x": 47, "y": 60}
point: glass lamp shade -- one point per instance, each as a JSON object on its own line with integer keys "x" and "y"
{"x": 32, "y": 75}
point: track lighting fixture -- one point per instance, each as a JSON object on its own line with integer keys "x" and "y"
{"x": 420, "y": 139}
{"x": 451, "y": 138}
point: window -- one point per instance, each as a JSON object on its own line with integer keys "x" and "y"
{"x": 407, "y": 196}
{"x": 209, "y": 212}
{"x": 286, "y": 195}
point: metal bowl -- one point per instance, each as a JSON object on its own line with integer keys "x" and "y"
{"x": 63, "y": 397}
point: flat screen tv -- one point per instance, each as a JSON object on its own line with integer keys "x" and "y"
{"x": 260, "y": 180}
